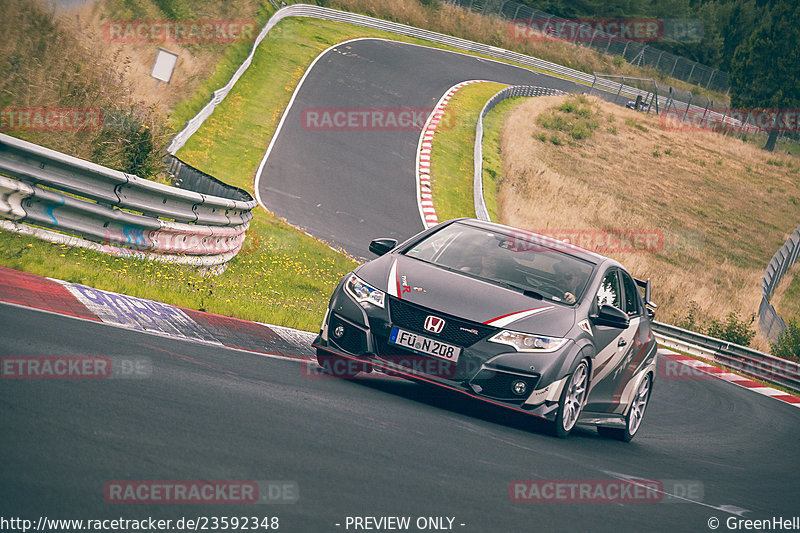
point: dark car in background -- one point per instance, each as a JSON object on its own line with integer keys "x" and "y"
{"x": 503, "y": 315}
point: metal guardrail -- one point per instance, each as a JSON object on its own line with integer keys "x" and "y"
{"x": 733, "y": 356}
{"x": 674, "y": 115}
{"x": 185, "y": 176}
{"x": 508, "y": 92}
{"x": 126, "y": 214}
{"x": 324, "y": 13}
{"x": 730, "y": 355}
{"x": 303, "y": 10}
{"x": 637, "y": 53}
{"x": 768, "y": 319}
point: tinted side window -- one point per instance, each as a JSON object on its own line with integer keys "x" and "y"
{"x": 609, "y": 293}
{"x": 632, "y": 303}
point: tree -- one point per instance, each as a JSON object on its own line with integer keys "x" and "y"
{"x": 765, "y": 70}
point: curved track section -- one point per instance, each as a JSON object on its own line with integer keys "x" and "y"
{"x": 348, "y": 187}
{"x": 367, "y": 447}
{"x": 376, "y": 446}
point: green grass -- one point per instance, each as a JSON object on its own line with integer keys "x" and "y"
{"x": 575, "y": 117}
{"x": 451, "y": 158}
{"x": 282, "y": 276}
{"x": 231, "y": 142}
{"x": 492, "y": 157}
{"x": 235, "y": 54}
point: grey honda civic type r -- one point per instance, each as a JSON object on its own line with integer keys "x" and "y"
{"x": 503, "y": 315}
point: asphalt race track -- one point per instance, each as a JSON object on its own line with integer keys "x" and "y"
{"x": 348, "y": 187}
{"x": 367, "y": 447}
{"x": 374, "y": 446}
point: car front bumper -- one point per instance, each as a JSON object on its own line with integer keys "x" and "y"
{"x": 484, "y": 370}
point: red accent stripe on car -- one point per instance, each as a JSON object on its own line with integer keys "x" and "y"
{"x": 504, "y": 320}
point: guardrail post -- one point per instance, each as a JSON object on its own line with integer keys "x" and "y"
{"x": 659, "y": 59}
{"x": 675, "y": 64}
{"x": 711, "y": 78}
{"x": 620, "y": 89}
{"x": 689, "y": 77}
{"x": 688, "y": 105}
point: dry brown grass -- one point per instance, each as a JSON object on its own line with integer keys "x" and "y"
{"x": 722, "y": 208}
{"x": 196, "y": 60}
{"x": 45, "y": 63}
{"x": 64, "y": 59}
{"x": 492, "y": 30}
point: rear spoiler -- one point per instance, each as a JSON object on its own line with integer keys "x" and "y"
{"x": 646, "y": 286}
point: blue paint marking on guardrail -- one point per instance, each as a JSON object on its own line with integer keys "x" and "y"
{"x": 135, "y": 237}
{"x": 52, "y": 208}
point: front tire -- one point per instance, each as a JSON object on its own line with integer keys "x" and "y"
{"x": 572, "y": 399}
{"x": 635, "y": 414}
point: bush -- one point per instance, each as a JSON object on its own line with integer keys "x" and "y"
{"x": 732, "y": 330}
{"x": 788, "y": 345}
{"x": 126, "y": 143}
{"x": 575, "y": 117}
{"x": 691, "y": 320}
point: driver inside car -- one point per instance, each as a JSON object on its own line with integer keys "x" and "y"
{"x": 566, "y": 279}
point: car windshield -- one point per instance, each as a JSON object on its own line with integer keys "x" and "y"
{"x": 521, "y": 260}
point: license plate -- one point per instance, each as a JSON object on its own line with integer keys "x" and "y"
{"x": 421, "y": 344}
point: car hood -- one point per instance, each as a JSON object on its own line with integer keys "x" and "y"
{"x": 463, "y": 296}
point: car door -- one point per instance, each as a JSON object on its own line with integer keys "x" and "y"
{"x": 613, "y": 345}
{"x": 642, "y": 341}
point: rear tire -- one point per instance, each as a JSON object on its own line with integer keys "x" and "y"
{"x": 633, "y": 420}
{"x": 572, "y": 399}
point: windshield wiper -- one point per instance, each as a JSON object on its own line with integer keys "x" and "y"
{"x": 524, "y": 290}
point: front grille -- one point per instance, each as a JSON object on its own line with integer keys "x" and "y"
{"x": 456, "y": 330}
{"x": 497, "y": 385}
{"x": 354, "y": 340}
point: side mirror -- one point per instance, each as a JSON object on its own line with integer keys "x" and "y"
{"x": 381, "y": 246}
{"x": 612, "y": 317}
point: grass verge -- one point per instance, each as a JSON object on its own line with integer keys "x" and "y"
{"x": 282, "y": 276}
{"x": 492, "y": 154}
{"x": 451, "y": 167}
{"x": 471, "y": 25}
{"x": 721, "y": 205}
{"x": 786, "y": 298}
{"x": 287, "y": 277}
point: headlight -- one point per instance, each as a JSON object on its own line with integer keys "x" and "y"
{"x": 363, "y": 292}
{"x": 525, "y": 342}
